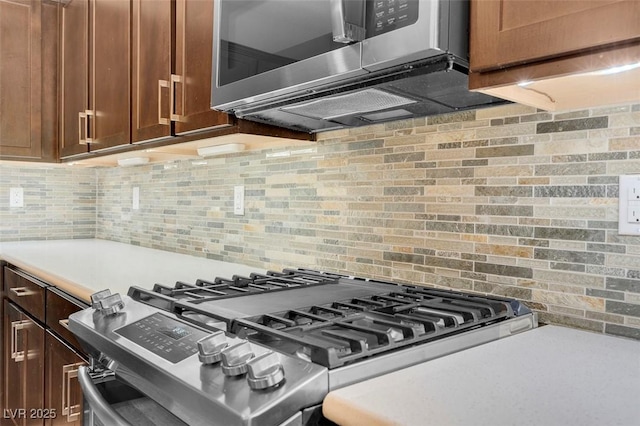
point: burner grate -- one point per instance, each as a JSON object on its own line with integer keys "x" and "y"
{"x": 348, "y": 330}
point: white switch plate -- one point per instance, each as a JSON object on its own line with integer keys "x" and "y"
{"x": 136, "y": 198}
{"x": 629, "y": 205}
{"x": 238, "y": 200}
{"x": 16, "y": 197}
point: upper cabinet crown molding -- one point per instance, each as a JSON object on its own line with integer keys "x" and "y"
{"x": 555, "y": 55}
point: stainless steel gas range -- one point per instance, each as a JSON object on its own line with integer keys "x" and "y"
{"x": 266, "y": 349}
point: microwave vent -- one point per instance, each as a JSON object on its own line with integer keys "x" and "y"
{"x": 361, "y": 102}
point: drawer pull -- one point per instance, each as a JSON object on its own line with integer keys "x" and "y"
{"x": 21, "y": 291}
{"x": 69, "y": 372}
{"x": 64, "y": 323}
{"x": 16, "y": 326}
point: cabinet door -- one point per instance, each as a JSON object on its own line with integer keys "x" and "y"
{"x": 194, "y": 47}
{"x": 151, "y": 69}
{"x": 63, "y": 393}
{"x": 26, "y": 66}
{"x": 509, "y": 32}
{"x": 109, "y": 79}
{"x": 23, "y": 368}
{"x": 74, "y": 83}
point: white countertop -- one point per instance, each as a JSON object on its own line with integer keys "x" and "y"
{"x": 83, "y": 267}
{"x": 547, "y": 376}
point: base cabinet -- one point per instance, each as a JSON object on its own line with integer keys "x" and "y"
{"x": 39, "y": 372}
{"x": 63, "y": 396}
{"x": 23, "y": 368}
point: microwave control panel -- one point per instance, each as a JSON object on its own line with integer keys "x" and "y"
{"x": 388, "y": 15}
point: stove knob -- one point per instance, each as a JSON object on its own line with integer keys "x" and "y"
{"x": 98, "y": 296}
{"x": 234, "y": 359}
{"x": 210, "y": 347}
{"x": 265, "y": 371}
{"x": 107, "y": 303}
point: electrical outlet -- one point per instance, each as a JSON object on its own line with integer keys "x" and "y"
{"x": 16, "y": 197}
{"x": 238, "y": 200}
{"x": 629, "y": 205}
{"x": 136, "y": 198}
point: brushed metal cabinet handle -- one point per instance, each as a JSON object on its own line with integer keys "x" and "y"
{"x": 163, "y": 84}
{"x": 21, "y": 291}
{"x": 175, "y": 79}
{"x": 16, "y": 326}
{"x": 69, "y": 372}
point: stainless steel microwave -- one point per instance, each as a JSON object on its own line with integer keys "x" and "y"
{"x": 316, "y": 65}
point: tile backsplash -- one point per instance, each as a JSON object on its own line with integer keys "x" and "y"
{"x": 59, "y": 202}
{"x": 509, "y": 200}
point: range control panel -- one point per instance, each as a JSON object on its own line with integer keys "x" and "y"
{"x": 166, "y": 337}
{"x": 387, "y": 15}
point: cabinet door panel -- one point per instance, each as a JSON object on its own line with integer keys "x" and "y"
{"x": 194, "y": 47}
{"x": 20, "y": 84}
{"x": 74, "y": 83}
{"x": 109, "y": 97}
{"x": 63, "y": 393}
{"x": 23, "y": 367}
{"x": 509, "y": 32}
{"x": 152, "y": 55}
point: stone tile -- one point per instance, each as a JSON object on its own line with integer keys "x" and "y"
{"x": 497, "y": 210}
{"x": 623, "y": 308}
{"x": 571, "y": 169}
{"x": 584, "y": 191}
{"x": 605, "y": 294}
{"x": 570, "y": 321}
{"x": 569, "y": 256}
{"x": 495, "y": 269}
{"x": 620, "y": 330}
{"x": 569, "y": 234}
{"x": 502, "y": 191}
{"x": 622, "y": 284}
{"x": 572, "y": 125}
{"x": 505, "y": 151}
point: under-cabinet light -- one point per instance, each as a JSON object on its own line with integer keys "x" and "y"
{"x": 616, "y": 70}
{"x": 133, "y": 161}
{"x": 525, "y": 83}
{"x": 228, "y": 148}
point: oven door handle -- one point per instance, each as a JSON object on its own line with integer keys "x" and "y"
{"x": 102, "y": 409}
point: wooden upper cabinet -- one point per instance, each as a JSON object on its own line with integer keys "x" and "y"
{"x": 28, "y": 73}
{"x": 192, "y": 80}
{"x": 172, "y": 47}
{"x": 74, "y": 78}
{"x": 109, "y": 74}
{"x": 95, "y": 84}
{"x": 512, "y": 32}
{"x": 151, "y": 69}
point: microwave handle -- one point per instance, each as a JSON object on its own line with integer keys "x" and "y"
{"x": 97, "y": 403}
{"x": 347, "y": 20}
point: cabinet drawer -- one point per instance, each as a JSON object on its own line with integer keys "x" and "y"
{"x": 25, "y": 291}
{"x": 59, "y": 306}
